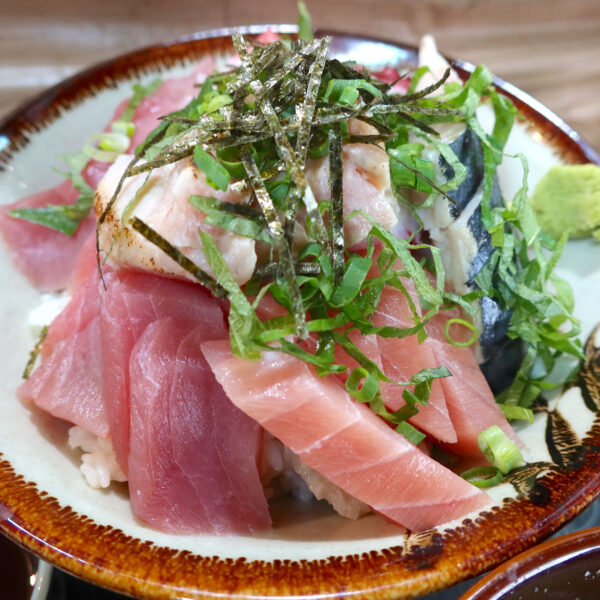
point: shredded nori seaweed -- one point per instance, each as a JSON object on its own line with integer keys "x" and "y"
{"x": 34, "y": 353}
{"x": 181, "y": 259}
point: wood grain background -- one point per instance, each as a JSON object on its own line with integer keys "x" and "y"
{"x": 549, "y": 48}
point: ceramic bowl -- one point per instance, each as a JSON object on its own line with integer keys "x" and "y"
{"x": 310, "y": 553}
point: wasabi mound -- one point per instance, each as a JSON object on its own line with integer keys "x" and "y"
{"x": 568, "y": 199}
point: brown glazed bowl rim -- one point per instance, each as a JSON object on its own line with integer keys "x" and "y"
{"x": 533, "y": 562}
{"x": 433, "y": 560}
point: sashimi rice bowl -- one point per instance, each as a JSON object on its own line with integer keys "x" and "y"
{"x": 287, "y": 297}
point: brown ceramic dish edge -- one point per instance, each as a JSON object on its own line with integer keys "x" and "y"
{"x": 107, "y": 557}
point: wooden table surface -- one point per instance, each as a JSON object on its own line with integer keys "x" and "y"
{"x": 549, "y": 48}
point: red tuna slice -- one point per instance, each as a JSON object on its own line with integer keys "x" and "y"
{"x": 45, "y": 256}
{"x": 86, "y": 264}
{"x": 470, "y": 401}
{"x": 402, "y": 358}
{"x": 68, "y": 383}
{"x": 79, "y": 312}
{"x": 194, "y": 455}
{"x": 343, "y": 439}
{"x": 132, "y": 300}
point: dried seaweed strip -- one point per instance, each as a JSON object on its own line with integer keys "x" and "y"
{"x": 411, "y": 120}
{"x": 238, "y": 86}
{"x": 421, "y": 93}
{"x": 433, "y": 111}
{"x": 244, "y": 122}
{"x": 286, "y": 152}
{"x": 284, "y": 251}
{"x": 242, "y": 210}
{"x": 183, "y": 261}
{"x": 35, "y": 352}
{"x": 300, "y": 268}
{"x": 370, "y": 139}
{"x": 243, "y": 185}
{"x": 293, "y": 63}
{"x": 160, "y": 161}
{"x": 380, "y": 127}
{"x": 337, "y": 203}
{"x": 339, "y": 70}
{"x": 177, "y": 151}
{"x": 307, "y": 110}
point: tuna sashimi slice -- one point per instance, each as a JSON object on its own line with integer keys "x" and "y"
{"x": 45, "y": 256}
{"x": 132, "y": 300}
{"x": 82, "y": 308}
{"x": 86, "y": 264}
{"x": 193, "y": 460}
{"x": 342, "y": 439}
{"x": 68, "y": 383}
{"x": 402, "y": 358}
{"x": 470, "y": 401}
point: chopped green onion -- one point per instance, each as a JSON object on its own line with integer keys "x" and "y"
{"x": 498, "y": 449}
{"x": 337, "y": 87}
{"x": 110, "y": 146}
{"x": 464, "y": 323}
{"x": 514, "y": 413}
{"x": 483, "y": 477}
{"x": 348, "y": 96}
{"x": 125, "y": 127}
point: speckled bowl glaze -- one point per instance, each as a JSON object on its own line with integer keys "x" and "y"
{"x": 46, "y": 506}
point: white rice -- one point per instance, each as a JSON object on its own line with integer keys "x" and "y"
{"x": 98, "y": 463}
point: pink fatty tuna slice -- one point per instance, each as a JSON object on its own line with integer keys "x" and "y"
{"x": 342, "y": 439}
{"x": 470, "y": 401}
{"x": 402, "y": 358}
{"x": 47, "y": 257}
{"x": 132, "y": 300}
{"x": 194, "y": 455}
{"x": 68, "y": 383}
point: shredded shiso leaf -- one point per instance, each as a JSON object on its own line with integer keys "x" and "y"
{"x": 254, "y": 128}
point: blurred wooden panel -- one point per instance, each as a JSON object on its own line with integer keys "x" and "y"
{"x": 549, "y": 48}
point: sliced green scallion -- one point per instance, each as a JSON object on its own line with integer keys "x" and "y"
{"x": 483, "y": 477}
{"x": 499, "y": 449}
